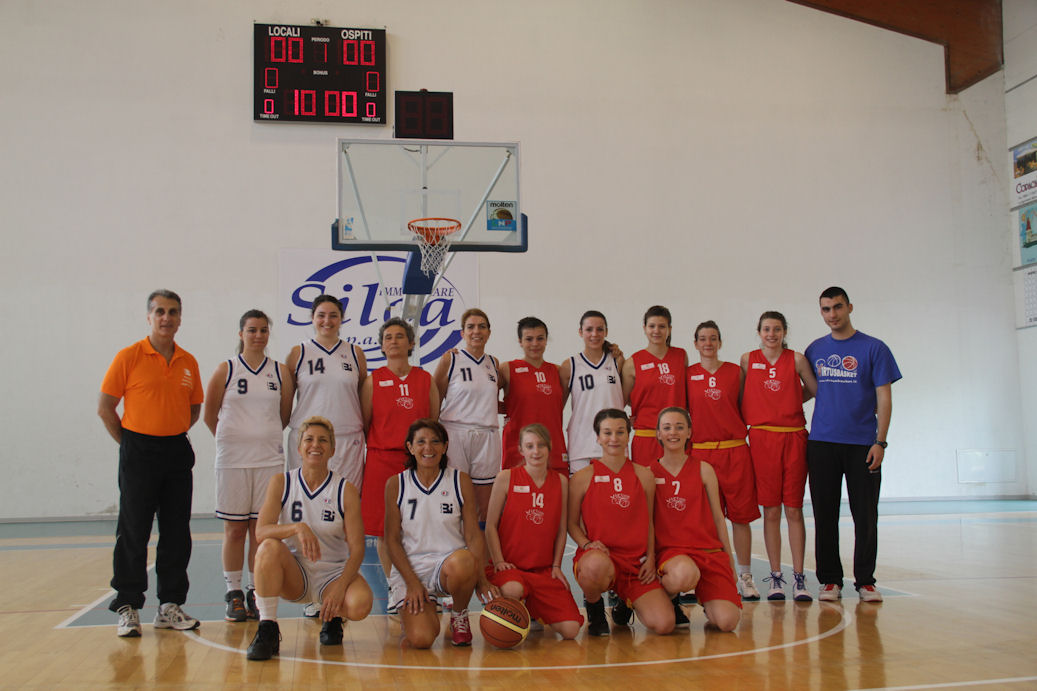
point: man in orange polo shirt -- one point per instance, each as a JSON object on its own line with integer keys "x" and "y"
{"x": 161, "y": 390}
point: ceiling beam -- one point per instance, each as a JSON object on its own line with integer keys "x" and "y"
{"x": 969, "y": 30}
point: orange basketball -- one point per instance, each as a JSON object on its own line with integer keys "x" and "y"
{"x": 504, "y": 622}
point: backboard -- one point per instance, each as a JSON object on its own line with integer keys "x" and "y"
{"x": 385, "y": 184}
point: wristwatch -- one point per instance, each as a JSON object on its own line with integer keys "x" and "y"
{"x": 883, "y": 444}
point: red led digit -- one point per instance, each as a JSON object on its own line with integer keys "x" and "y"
{"x": 350, "y": 53}
{"x": 349, "y": 104}
{"x": 373, "y": 81}
{"x": 270, "y": 77}
{"x": 295, "y": 50}
{"x": 331, "y": 103}
{"x": 277, "y": 49}
{"x": 367, "y": 52}
{"x": 268, "y": 105}
{"x": 305, "y": 102}
{"x": 325, "y": 51}
{"x": 372, "y": 109}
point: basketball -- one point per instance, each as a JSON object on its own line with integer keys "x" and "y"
{"x": 504, "y": 622}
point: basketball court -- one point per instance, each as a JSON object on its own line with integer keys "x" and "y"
{"x": 957, "y": 577}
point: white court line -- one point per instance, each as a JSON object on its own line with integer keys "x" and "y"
{"x": 845, "y": 621}
{"x": 86, "y": 608}
{"x": 955, "y": 684}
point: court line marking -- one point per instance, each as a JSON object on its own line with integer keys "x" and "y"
{"x": 845, "y": 620}
{"x": 86, "y": 608}
{"x": 954, "y": 684}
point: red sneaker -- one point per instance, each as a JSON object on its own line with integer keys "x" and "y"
{"x": 460, "y": 629}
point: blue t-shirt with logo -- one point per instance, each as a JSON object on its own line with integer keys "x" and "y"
{"x": 848, "y": 372}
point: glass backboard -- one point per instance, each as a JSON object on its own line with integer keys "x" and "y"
{"x": 385, "y": 184}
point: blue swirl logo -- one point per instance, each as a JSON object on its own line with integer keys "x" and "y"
{"x": 355, "y": 283}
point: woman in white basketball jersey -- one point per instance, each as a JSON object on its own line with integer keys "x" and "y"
{"x": 328, "y": 373}
{"x": 468, "y": 380}
{"x": 247, "y": 405}
{"x": 433, "y": 538}
{"x": 594, "y": 382}
{"x": 312, "y": 544}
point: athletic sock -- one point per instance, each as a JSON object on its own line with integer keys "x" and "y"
{"x": 233, "y": 580}
{"x": 744, "y": 568}
{"x": 267, "y": 608}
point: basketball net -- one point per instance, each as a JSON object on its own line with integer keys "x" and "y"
{"x": 433, "y": 236}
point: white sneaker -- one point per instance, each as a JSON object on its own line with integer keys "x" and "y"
{"x": 869, "y": 593}
{"x": 311, "y": 610}
{"x": 170, "y": 616}
{"x": 129, "y": 622}
{"x": 749, "y": 591}
{"x": 830, "y": 592}
{"x": 777, "y": 581}
{"x": 799, "y": 588}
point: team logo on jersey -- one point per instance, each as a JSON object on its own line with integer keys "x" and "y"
{"x": 385, "y": 382}
{"x": 621, "y": 500}
{"x": 521, "y": 370}
{"x": 186, "y": 380}
{"x": 759, "y": 365}
{"x": 347, "y": 366}
{"x": 328, "y": 516}
{"x": 545, "y": 389}
{"x": 612, "y": 379}
{"x": 446, "y": 508}
{"x": 602, "y": 478}
{"x": 677, "y": 503}
{"x": 697, "y": 377}
{"x": 520, "y": 489}
{"x": 271, "y": 386}
{"x": 535, "y": 516}
{"x": 648, "y": 365}
{"x": 405, "y": 402}
{"x": 772, "y": 385}
{"x": 713, "y": 394}
{"x": 667, "y": 379}
{"x": 849, "y": 363}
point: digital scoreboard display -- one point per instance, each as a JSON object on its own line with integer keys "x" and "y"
{"x": 319, "y": 74}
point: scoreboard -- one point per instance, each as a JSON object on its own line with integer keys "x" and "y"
{"x": 319, "y": 74}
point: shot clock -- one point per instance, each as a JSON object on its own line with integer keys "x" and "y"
{"x": 319, "y": 74}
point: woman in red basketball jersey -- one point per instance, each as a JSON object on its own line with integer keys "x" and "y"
{"x": 653, "y": 379}
{"x": 777, "y": 382}
{"x": 533, "y": 392}
{"x": 525, "y": 534}
{"x": 691, "y": 543}
{"x": 391, "y": 398}
{"x": 718, "y": 438}
{"x": 610, "y": 519}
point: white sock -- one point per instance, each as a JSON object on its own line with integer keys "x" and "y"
{"x": 233, "y": 580}
{"x": 744, "y": 568}
{"x": 267, "y": 608}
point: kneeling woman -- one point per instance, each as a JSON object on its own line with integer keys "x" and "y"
{"x": 690, "y": 533}
{"x": 525, "y": 533}
{"x": 433, "y": 539}
{"x": 311, "y": 544}
{"x": 610, "y": 519}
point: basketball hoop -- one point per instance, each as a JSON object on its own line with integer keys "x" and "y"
{"x": 433, "y": 236}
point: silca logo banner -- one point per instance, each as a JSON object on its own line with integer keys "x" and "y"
{"x": 367, "y": 301}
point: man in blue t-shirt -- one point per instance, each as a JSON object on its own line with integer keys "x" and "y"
{"x": 854, "y": 402}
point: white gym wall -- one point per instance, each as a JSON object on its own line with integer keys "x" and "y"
{"x": 718, "y": 157}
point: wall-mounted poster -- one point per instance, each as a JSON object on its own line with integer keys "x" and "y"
{"x": 1028, "y": 235}
{"x": 1024, "y": 173}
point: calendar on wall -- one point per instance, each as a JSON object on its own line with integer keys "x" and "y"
{"x": 1026, "y": 296}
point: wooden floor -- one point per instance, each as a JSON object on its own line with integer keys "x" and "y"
{"x": 961, "y": 592}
